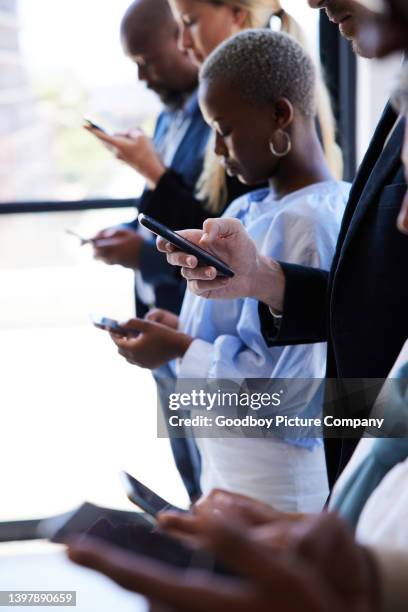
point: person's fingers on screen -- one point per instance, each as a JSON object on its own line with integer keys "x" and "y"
{"x": 192, "y": 590}
{"x": 181, "y": 526}
{"x": 106, "y": 251}
{"x": 139, "y": 325}
{"x": 122, "y": 342}
{"x": 104, "y": 247}
{"x": 158, "y": 315}
{"x": 182, "y": 260}
{"x": 240, "y": 507}
{"x": 164, "y": 246}
{"x": 202, "y": 273}
{"x": 192, "y": 235}
{"x": 277, "y": 536}
{"x": 177, "y": 521}
{"x": 113, "y": 141}
{"x": 107, "y": 242}
{"x": 215, "y": 230}
{"x": 104, "y": 233}
{"x": 164, "y": 317}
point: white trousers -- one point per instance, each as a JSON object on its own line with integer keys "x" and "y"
{"x": 288, "y": 477}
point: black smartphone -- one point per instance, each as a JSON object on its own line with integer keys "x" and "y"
{"x": 112, "y": 326}
{"x": 145, "y": 498}
{"x": 204, "y": 257}
{"x": 94, "y": 126}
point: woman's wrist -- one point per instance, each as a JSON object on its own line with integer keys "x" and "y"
{"x": 269, "y": 283}
{"x": 184, "y": 342}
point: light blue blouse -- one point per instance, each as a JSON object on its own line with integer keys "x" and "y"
{"x": 301, "y": 228}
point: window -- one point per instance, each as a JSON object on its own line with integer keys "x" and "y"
{"x": 73, "y": 412}
{"x": 61, "y": 61}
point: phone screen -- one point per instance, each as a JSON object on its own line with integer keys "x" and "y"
{"x": 94, "y": 126}
{"x": 111, "y": 325}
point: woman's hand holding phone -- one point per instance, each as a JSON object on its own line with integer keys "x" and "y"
{"x": 136, "y": 150}
{"x": 155, "y": 345}
{"x": 165, "y": 317}
{"x": 255, "y": 275}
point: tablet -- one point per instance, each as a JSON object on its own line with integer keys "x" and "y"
{"x": 204, "y": 257}
{"x": 129, "y": 531}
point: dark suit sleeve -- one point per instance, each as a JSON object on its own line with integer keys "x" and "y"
{"x": 154, "y": 268}
{"x": 304, "y": 318}
{"x": 133, "y": 225}
{"x": 173, "y": 203}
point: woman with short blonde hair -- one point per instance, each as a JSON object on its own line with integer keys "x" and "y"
{"x": 204, "y": 25}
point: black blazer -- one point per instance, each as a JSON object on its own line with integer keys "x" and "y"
{"x": 360, "y": 307}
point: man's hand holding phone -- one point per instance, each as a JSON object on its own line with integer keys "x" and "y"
{"x": 118, "y": 246}
{"x": 155, "y": 345}
{"x": 135, "y": 149}
{"x": 255, "y": 275}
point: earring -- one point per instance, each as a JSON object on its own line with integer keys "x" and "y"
{"x": 288, "y": 147}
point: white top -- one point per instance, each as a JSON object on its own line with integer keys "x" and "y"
{"x": 300, "y": 228}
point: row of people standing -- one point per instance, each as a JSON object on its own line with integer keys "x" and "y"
{"x": 286, "y": 561}
{"x": 175, "y": 197}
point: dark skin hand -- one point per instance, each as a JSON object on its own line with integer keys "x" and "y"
{"x": 259, "y": 519}
{"x": 309, "y": 576}
{"x": 165, "y": 317}
{"x": 156, "y": 344}
{"x": 118, "y": 246}
{"x": 136, "y": 150}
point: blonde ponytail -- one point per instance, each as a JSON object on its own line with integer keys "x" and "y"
{"x": 212, "y": 186}
{"x": 325, "y": 116}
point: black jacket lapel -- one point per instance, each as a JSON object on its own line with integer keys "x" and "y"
{"x": 370, "y": 159}
{"x": 389, "y": 159}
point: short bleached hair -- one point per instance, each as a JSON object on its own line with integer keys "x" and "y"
{"x": 264, "y": 66}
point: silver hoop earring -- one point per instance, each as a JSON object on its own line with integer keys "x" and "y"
{"x": 288, "y": 147}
